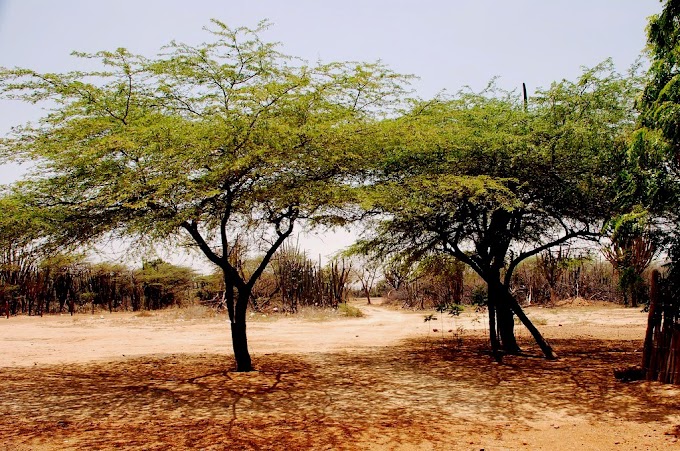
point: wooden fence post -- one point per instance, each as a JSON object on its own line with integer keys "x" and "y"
{"x": 649, "y": 350}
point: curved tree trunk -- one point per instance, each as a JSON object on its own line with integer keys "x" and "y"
{"x": 240, "y": 344}
{"x": 237, "y": 317}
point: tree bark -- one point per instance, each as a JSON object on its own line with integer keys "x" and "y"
{"x": 506, "y": 328}
{"x": 493, "y": 337}
{"x": 505, "y": 323}
{"x": 653, "y": 323}
{"x": 238, "y": 332}
{"x": 240, "y": 344}
{"x": 542, "y": 343}
{"x": 236, "y": 308}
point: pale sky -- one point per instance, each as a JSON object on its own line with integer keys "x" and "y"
{"x": 447, "y": 44}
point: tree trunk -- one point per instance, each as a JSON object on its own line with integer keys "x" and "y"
{"x": 542, "y": 343}
{"x": 238, "y": 333}
{"x": 653, "y": 323}
{"x": 493, "y": 337}
{"x": 229, "y": 298}
{"x": 506, "y": 328}
{"x": 240, "y": 343}
{"x": 505, "y": 322}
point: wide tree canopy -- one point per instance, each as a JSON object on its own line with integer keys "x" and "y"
{"x": 652, "y": 177}
{"x": 492, "y": 180}
{"x": 214, "y": 144}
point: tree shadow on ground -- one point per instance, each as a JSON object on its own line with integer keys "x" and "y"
{"x": 408, "y": 394}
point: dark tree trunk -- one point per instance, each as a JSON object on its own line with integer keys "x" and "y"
{"x": 368, "y": 296}
{"x": 495, "y": 344}
{"x": 506, "y": 328}
{"x": 653, "y": 322}
{"x": 505, "y": 306}
{"x": 505, "y": 322}
{"x": 237, "y": 316}
{"x": 229, "y": 297}
{"x": 240, "y": 343}
{"x": 542, "y": 343}
{"x": 238, "y": 333}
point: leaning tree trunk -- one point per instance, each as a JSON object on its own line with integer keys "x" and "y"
{"x": 542, "y": 343}
{"x": 505, "y": 305}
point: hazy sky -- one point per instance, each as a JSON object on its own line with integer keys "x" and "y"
{"x": 448, "y": 44}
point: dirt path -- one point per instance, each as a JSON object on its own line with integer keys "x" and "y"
{"x": 64, "y": 339}
{"x": 384, "y": 381}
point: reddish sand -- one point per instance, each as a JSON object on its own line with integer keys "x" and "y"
{"x": 384, "y": 381}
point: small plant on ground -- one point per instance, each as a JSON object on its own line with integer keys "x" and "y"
{"x": 349, "y": 310}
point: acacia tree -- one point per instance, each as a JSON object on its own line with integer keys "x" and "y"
{"x": 650, "y": 184}
{"x": 491, "y": 182}
{"x": 652, "y": 176}
{"x": 213, "y": 144}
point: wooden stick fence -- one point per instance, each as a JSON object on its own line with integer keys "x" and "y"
{"x": 661, "y": 352}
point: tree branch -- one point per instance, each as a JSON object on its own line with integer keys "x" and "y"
{"x": 524, "y": 255}
{"x": 192, "y": 228}
{"x": 282, "y": 235}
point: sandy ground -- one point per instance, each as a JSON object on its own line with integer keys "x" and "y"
{"x": 388, "y": 380}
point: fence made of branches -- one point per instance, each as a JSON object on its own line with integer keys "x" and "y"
{"x": 557, "y": 275}
{"x": 661, "y": 351}
{"x": 303, "y": 282}
{"x": 67, "y": 284}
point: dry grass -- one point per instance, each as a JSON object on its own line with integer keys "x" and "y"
{"x": 199, "y": 312}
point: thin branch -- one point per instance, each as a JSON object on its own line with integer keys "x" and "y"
{"x": 525, "y": 255}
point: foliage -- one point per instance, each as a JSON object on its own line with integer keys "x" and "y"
{"x": 490, "y": 182}
{"x": 655, "y": 155}
{"x": 211, "y": 144}
{"x": 210, "y": 287}
{"x": 482, "y": 166}
{"x": 633, "y": 246}
{"x": 66, "y": 282}
{"x": 451, "y": 309}
{"x": 349, "y": 310}
{"x": 441, "y": 279}
{"x": 480, "y": 296}
{"x": 165, "y": 284}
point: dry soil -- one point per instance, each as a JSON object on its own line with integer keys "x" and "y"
{"x": 389, "y": 380}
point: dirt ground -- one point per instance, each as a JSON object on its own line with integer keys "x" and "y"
{"x": 388, "y": 380}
